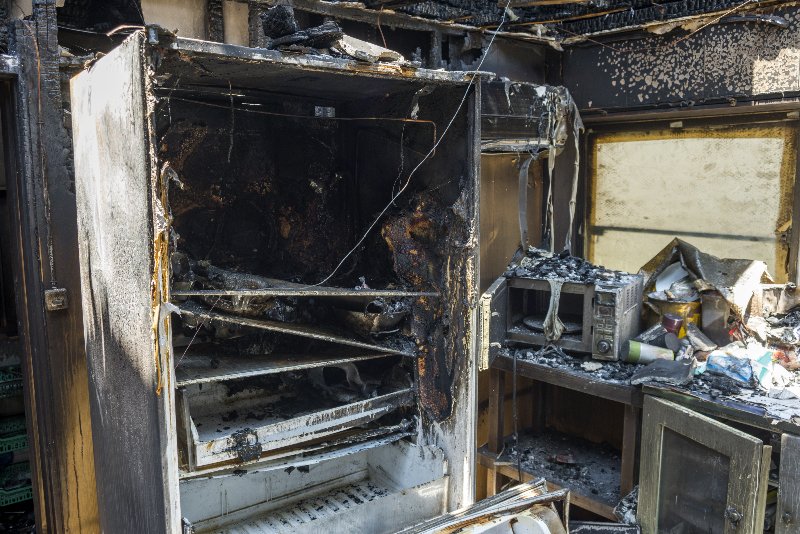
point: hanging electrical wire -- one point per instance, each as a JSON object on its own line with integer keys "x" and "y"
{"x": 431, "y": 152}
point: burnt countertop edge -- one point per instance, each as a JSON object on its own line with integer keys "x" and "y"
{"x": 575, "y": 380}
{"x": 723, "y": 407}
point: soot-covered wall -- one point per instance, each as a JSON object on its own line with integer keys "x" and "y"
{"x": 741, "y": 61}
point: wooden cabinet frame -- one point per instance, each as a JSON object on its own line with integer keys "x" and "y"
{"x": 749, "y": 463}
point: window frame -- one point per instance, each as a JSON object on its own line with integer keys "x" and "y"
{"x": 636, "y": 123}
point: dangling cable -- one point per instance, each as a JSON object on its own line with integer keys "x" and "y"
{"x": 577, "y": 127}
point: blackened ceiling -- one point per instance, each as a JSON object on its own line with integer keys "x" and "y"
{"x": 559, "y": 18}
{"x": 99, "y": 15}
{"x": 565, "y": 19}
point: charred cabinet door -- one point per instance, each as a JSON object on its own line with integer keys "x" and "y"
{"x": 699, "y": 475}
{"x": 492, "y": 321}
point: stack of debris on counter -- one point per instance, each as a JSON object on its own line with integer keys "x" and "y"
{"x": 720, "y": 327}
{"x": 716, "y": 327}
{"x": 282, "y": 31}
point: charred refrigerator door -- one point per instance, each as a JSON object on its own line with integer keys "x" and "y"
{"x": 279, "y": 259}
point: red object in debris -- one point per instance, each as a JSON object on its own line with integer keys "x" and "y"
{"x": 563, "y": 458}
{"x": 672, "y": 323}
{"x": 788, "y": 359}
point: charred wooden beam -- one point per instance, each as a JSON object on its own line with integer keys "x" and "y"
{"x": 534, "y": 3}
{"x": 43, "y": 213}
{"x": 256, "y": 38}
{"x": 397, "y": 19}
{"x": 215, "y": 25}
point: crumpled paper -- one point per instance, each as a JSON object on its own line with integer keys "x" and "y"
{"x": 735, "y": 279}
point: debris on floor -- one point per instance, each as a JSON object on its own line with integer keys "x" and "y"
{"x": 586, "y": 468}
{"x": 625, "y": 511}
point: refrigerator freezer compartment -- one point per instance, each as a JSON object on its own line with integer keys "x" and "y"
{"x": 377, "y": 490}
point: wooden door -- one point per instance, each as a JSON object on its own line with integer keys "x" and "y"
{"x": 699, "y": 473}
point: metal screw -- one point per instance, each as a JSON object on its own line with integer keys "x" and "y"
{"x": 733, "y": 515}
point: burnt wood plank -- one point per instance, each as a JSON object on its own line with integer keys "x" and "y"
{"x": 614, "y": 391}
{"x": 630, "y": 441}
{"x": 788, "y": 519}
{"x": 44, "y": 239}
{"x": 497, "y": 388}
{"x": 496, "y": 410}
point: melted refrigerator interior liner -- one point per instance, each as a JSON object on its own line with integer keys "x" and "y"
{"x": 312, "y": 345}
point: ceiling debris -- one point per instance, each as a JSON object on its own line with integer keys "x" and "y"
{"x": 573, "y": 20}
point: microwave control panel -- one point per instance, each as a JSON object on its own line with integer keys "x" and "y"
{"x": 615, "y": 317}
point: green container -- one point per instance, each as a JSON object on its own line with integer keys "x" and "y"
{"x": 13, "y": 434}
{"x": 15, "y": 484}
{"x": 10, "y": 381}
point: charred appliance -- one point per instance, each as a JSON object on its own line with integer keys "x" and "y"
{"x": 563, "y": 302}
{"x": 279, "y": 260}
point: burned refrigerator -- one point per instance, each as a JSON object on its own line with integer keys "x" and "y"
{"x": 279, "y": 260}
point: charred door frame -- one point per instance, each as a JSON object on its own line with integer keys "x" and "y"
{"x": 44, "y": 227}
{"x": 764, "y": 115}
{"x": 11, "y": 140}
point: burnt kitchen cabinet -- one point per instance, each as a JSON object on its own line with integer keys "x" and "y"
{"x": 279, "y": 260}
{"x": 699, "y": 474}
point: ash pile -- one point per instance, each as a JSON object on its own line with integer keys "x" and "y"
{"x": 543, "y": 265}
{"x": 618, "y": 371}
